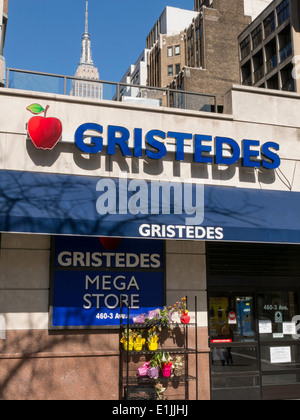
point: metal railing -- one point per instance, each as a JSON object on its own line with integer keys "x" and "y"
{"x": 112, "y": 91}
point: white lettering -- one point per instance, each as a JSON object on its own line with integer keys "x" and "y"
{"x": 109, "y": 259}
{"x": 107, "y": 201}
{"x": 185, "y": 197}
{"x": 182, "y": 232}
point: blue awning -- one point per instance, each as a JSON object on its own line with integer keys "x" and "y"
{"x": 67, "y": 205}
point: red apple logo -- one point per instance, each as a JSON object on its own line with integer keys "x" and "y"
{"x": 44, "y": 132}
{"x": 111, "y": 244}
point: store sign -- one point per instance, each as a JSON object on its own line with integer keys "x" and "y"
{"x": 94, "y": 277}
{"x": 252, "y": 152}
{"x": 45, "y": 132}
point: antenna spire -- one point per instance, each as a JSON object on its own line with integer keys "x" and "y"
{"x": 86, "y": 53}
{"x": 86, "y": 17}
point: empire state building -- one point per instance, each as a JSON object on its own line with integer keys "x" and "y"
{"x": 86, "y": 69}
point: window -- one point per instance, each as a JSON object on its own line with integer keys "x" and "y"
{"x": 198, "y": 32}
{"x": 170, "y": 70}
{"x": 136, "y": 78}
{"x": 177, "y": 49}
{"x": 246, "y": 74}
{"x": 231, "y": 319}
{"x": 170, "y": 51}
{"x": 177, "y": 68}
{"x": 283, "y": 11}
{"x": 256, "y": 36}
{"x": 258, "y": 66}
{"x": 245, "y": 47}
{"x": 285, "y": 43}
{"x": 269, "y": 24}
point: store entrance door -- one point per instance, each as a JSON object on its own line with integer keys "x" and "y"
{"x": 279, "y": 334}
{"x": 234, "y": 348}
{"x": 255, "y": 347}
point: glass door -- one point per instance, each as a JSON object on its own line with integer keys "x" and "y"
{"x": 234, "y": 348}
{"x": 279, "y": 335}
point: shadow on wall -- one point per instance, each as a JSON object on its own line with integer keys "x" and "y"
{"x": 68, "y": 365}
{"x": 151, "y": 167}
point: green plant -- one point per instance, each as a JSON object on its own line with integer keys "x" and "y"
{"x": 161, "y": 317}
{"x": 178, "y": 362}
{"x": 159, "y": 358}
{"x": 131, "y": 335}
{"x": 127, "y": 334}
{"x": 159, "y": 390}
{"x": 152, "y": 333}
{"x": 138, "y": 333}
{"x": 166, "y": 317}
{"x": 156, "y": 360}
{"x": 181, "y": 307}
{"x": 177, "y": 366}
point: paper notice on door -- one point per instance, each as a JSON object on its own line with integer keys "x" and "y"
{"x": 280, "y": 355}
{"x": 265, "y": 327}
{"x": 289, "y": 328}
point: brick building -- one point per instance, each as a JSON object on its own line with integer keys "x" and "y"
{"x": 212, "y": 62}
{"x": 204, "y": 56}
{"x": 166, "y": 42}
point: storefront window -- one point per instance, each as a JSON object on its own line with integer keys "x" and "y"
{"x": 231, "y": 319}
{"x": 278, "y": 316}
{"x": 236, "y": 359}
{"x": 279, "y": 358}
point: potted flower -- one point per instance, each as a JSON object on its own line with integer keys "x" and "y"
{"x": 153, "y": 317}
{"x": 160, "y": 391}
{"x": 143, "y": 370}
{"x": 166, "y": 364}
{"x": 139, "y": 319}
{"x": 139, "y": 341}
{"x": 127, "y": 339}
{"x": 154, "y": 365}
{"x": 178, "y": 366}
{"x": 165, "y": 317}
{"x": 152, "y": 339}
{"x": 182, "y": 311}
{"x": 160, "y": 317}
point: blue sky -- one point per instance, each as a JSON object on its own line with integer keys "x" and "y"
{"x": 45, "y": 35}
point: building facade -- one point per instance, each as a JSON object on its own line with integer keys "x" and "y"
{"x": 166, "y": 45}
{"x": 252, "y": 7}
{"x": 203, "y": 56}
{"x": 136, "y": 75}
{"x": 269, "y": 48}
{"x": 210, "y": 49}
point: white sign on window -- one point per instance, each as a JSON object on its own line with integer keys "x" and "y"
{"x": 289, "y": 328}
{"x": 265, "y": 327}
{"x": 280, "y": 354}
